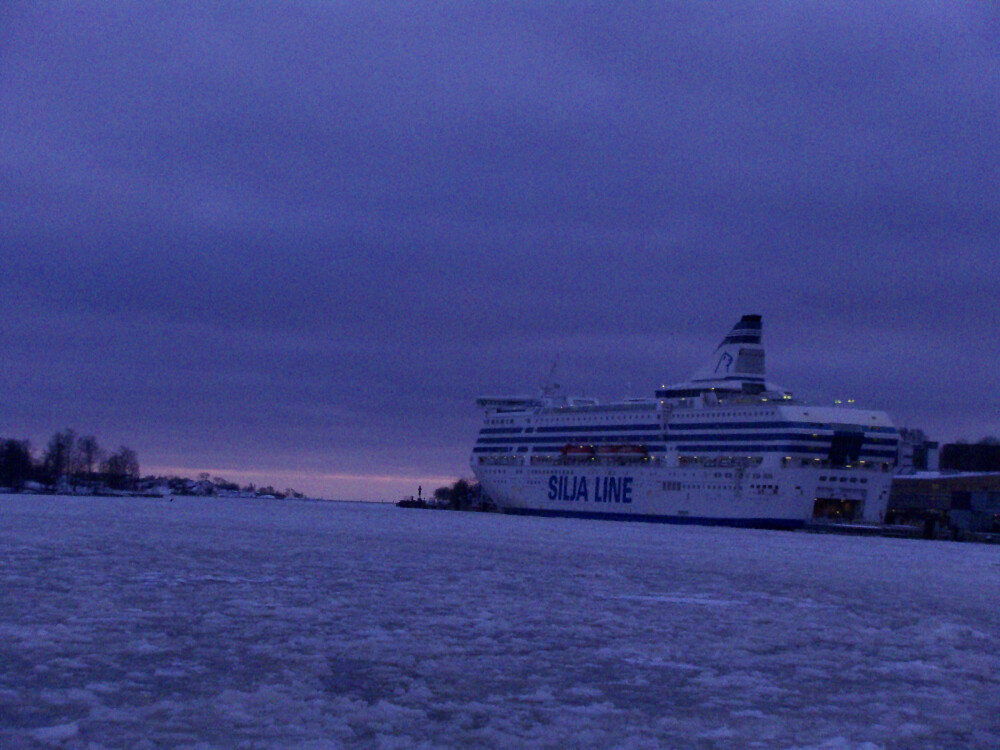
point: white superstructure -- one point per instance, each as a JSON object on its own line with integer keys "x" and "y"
{"x": 725, "y": 447}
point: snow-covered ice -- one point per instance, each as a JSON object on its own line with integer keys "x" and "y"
{"x": 200, "y": 623}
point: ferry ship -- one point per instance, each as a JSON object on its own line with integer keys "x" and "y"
{"x": 727, "y": 447}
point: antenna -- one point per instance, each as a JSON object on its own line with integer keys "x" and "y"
{"x": 550, "y": 386}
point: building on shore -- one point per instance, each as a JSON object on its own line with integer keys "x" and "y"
{"x": 916, "y": 452}
{"x": 966, "y": 501}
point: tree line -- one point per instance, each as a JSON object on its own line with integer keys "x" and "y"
{"x": 462, "y": 494}
{"x": 69, "y": 462}
{"x": 963, "y": 456}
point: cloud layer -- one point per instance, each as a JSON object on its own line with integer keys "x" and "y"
{"x": 301, "y": 237}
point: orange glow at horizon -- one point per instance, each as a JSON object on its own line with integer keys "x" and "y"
{"x": 332, "y": 485}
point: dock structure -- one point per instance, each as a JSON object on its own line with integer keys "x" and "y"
{"x": 966, "y": 501}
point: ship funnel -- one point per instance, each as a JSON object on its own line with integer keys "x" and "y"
{"x": 738, "y": 359}
{"x": 736, "y": 366}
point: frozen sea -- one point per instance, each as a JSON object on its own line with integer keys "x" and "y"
{"x": 139, "y": 623}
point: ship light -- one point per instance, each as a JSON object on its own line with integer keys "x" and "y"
{"x": 837, "y": 401}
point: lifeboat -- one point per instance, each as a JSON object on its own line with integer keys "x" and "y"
{"x": 623, "y": 450}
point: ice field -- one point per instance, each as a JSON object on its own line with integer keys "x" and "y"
{"x": 138, "y": 623}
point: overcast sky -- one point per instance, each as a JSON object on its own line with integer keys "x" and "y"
{"x": 298, "y": 238}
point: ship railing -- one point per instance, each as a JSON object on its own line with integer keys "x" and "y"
{"x": 726, "y": 462}
{"x": 501, "y": 460}
{"x": 819, "y": 463}
{"x": 597, "y": 460}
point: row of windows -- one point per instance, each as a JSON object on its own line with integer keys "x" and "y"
{"x": 593, "y": 420}
{"x": 792, "y": 424}
{"x": 677, "y": 486}
{"x": 702, "y": 413}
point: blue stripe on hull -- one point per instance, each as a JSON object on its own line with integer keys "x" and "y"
{"x": 779, "y": 524}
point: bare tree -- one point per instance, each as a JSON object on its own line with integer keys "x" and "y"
{"x": 122, "y": 469}
{"x": 58, "y": 461}
{"x": 460, "y": 495}
{"x": 89, "y": 455}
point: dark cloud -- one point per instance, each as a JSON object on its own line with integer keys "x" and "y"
{"x": 300, "y": 237}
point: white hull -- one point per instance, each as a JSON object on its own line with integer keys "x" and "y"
{"x": 787, "y": 499}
